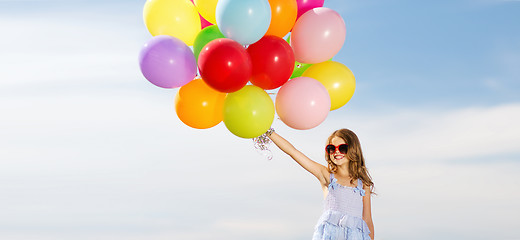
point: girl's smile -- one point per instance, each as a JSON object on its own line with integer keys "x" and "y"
{"x": 338, "y": 158}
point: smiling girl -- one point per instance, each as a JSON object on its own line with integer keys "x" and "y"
{"x": 346, "y": 185}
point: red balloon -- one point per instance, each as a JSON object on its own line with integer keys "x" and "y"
{"x": 273, "y": 62}
{"x": 225, "y": 65}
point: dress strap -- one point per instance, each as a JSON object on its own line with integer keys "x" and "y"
{"x": 359, "y": 188}
{"x": 332, "y": 181}
{"x": 360, "y": 183}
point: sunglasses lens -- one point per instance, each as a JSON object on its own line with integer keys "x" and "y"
{"x": 330, "y": 149}
{"x": 343, "y": 148}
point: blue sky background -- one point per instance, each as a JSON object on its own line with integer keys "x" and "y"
{"x": 91, "y": 150}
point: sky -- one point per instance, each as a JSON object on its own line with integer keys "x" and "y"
{"x": 91, "y": 150}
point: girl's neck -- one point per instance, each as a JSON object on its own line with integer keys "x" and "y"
{"x": 342, "y": 171}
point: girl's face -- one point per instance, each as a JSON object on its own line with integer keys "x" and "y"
{"x": 337, "y": 157}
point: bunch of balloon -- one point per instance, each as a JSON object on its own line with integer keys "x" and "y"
{"x": 239, "y": 52}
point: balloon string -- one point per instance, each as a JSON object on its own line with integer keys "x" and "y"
{"x": 261, "y": 144}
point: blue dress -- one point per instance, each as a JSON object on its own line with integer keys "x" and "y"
{"x": 342, "y": 218}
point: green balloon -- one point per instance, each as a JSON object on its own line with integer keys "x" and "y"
{"x": 205, "y": 36}
{"x": 248, "y": 112}
{"x": 299, "y": 68}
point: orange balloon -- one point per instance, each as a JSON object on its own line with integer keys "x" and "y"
{"x": 283, "y": 17}
{"x": 198, "y": 105}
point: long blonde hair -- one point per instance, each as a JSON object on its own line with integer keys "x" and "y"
{"x": 356, "y": 164}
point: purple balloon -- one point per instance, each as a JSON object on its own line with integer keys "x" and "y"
{"x": 167, "y": 62}
{"x": 306, "y": 5}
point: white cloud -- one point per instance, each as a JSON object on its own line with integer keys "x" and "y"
{"x": 450, "y": 135}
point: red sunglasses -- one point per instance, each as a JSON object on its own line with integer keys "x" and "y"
{"x": 332, "y": 148}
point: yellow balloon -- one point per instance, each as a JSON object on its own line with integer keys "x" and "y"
{"x": 207, "y": 9}
{"x": 198, "y": 105}
{"x": 177, "y": 18}
{"x": 248, "y": 112}
{"x": 337, "y": 79}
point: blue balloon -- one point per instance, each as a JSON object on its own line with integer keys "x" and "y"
{"x": 245, "y": 21}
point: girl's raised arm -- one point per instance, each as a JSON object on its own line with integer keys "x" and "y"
{"x": 318, "y": 170}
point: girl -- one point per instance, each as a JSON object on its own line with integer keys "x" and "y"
{"x": 346, "y": 185}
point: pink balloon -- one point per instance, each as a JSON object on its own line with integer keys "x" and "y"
{"x": 306, "y": 5}
{"x": 318, "y": 35}
{"x": 204, "y": 23}
{"x": 302, "y": 103}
